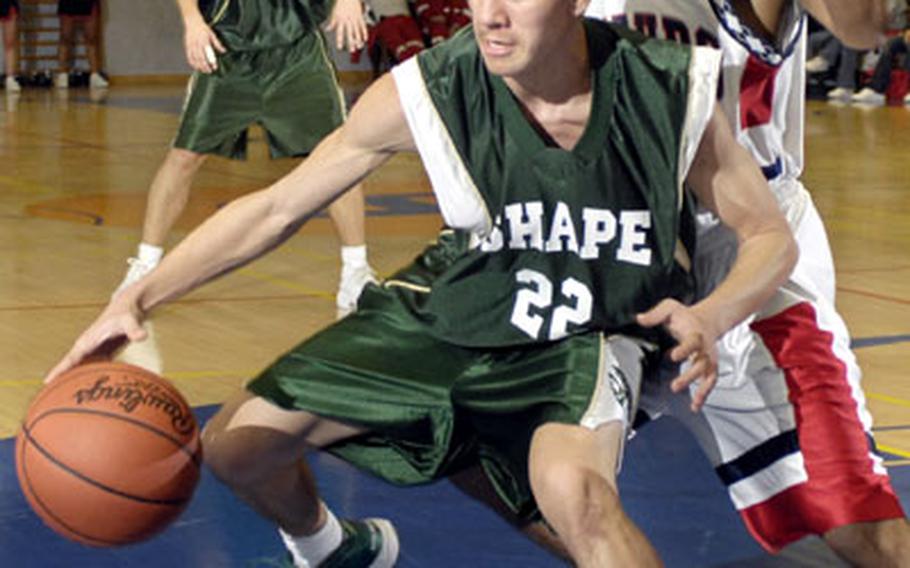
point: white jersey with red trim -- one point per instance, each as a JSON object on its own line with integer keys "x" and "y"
{"x": 763, "y": 85}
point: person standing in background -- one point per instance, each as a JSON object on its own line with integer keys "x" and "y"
{"x": 9, "y": 17}
{"x": 85, "y": 14}
{"x": 248, "y": 70}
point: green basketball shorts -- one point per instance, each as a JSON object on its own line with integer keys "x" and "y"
{"x": 431, "y": 408}
{"x": 291, "y": 91}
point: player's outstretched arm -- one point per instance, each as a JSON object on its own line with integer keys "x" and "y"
{"x": 726, "y": 179}
{"x": 252, "y": 225}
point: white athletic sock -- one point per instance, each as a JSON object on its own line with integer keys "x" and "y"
{"x": 150, "y": 254}
{"x": 308, "y": 551}
{"x": 354, "y": 256}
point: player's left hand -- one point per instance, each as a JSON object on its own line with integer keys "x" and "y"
{"x": 696, "y": 346}
{"x": 118, "y": 324}
{"x": 350, "y": 26}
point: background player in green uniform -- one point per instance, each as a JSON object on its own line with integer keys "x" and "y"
{"x": 277, "y": 75}
{"x": 563, "y": 399}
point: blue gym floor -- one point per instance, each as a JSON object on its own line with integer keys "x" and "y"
{"x": 670, "y": 491}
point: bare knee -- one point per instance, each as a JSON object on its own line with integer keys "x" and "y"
{"x": 881, "y": 544}
{"x": 185, "y": 160}
{"x": 250, "y": 439}
{"x": 238, "y": 458}
{"x": 246, "y": 440}
{"x": 579, "y": 502}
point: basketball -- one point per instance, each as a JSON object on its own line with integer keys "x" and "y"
{"x": 108, "y": 454}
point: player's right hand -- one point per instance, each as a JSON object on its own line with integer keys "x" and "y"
{"x": 349, "y": 24}
{"x": 695, "y": 347}
{"x": 119, "y": 323}
{"x": 201, "y": 45}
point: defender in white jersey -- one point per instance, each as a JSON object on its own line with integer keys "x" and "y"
{"x": 787, "y": 427}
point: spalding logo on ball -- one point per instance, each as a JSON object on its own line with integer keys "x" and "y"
{"x": 108, "y": 454}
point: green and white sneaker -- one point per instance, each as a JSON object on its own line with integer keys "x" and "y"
{"x": 367, "y": 543}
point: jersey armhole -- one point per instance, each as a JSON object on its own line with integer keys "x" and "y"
{"x": 460, "y": 202}
{"x": 704, "y": 73}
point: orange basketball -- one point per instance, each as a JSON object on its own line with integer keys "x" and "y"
{"x": 108, "y": 454}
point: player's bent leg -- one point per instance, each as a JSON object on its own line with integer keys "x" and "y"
{"x": 572, "y": 472}
{"x": 475, "y": 484}
{"x": 256, "y": 449}
{"x": 882, "y": 544}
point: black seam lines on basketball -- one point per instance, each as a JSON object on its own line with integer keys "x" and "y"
{"x": 49, "y": 512}
{"x": 98, "y": 484}
{"x": 177, "y": 443}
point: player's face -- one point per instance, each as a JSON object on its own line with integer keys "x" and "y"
{"x": 519, "y": 35}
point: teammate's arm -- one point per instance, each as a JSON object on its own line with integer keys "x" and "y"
{"x": 254, "y": 224}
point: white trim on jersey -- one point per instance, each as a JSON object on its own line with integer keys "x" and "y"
{"x": 460, "y": 202}
{"x": 704, "y": 73}
{"x": 789, "y": 32}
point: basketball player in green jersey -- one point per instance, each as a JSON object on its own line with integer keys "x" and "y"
{"x": 265, "y": 62}
{"x": 560, "y": 149}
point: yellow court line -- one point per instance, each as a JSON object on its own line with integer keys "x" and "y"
{"x": 284, "y": 283}
{"x": 19, "y": 382}
{"x": 280, "y": 282}
{"x": 896, "y": 463}
{"x": 888, "y": 399}
{"x": 16, "y": 185}
{"x": 893, "y": 450}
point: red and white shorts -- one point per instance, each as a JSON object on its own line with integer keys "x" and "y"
{"x": 786, "y": 427}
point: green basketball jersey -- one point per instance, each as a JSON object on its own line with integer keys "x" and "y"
{"x": 561, "y": 242}
{"x": 247, "y": 25}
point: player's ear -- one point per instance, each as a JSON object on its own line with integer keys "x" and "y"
{"x": 580, "y": 7}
